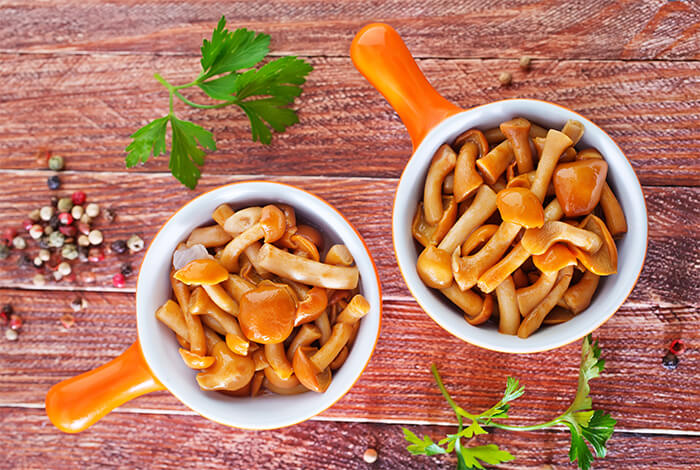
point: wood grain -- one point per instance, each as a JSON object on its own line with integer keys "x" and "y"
{"x": 596, "y": 29}
{"x": 85, "y": 106}
{"x": 166, "y": 442}
{"x": 667, "y": 279}
{"x": 397, "y": 384}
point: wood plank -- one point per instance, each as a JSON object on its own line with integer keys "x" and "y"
{"x": 397, "y": 384}
{"x": 195, "y": 443}
{"x": 598, "y": 29}
{"x": 85, "y": 107}
{"x": 671, "y": 263}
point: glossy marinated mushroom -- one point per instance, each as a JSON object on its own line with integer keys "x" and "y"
{"x": 221, "y": 214}
{"x": 311, "y": 365}
{"x": 428, "y": 234}
{"x": 574, "y": 130}
{"x": 357, "y": 308}
{"x": 211, "y": 236}
{"x": 442, "y": 164}
{"x": 267, "y": 313}
{"x": 306, "y": 335}
{"x": 602, "y": 262}
{"x": 481, "y": 208}
{"x": 468, "y": 301}
{"x": 434, "y": 267}
{"x": 554, "y": 145}
{"x": 278, "y": 361}
{"x": 520, "y": 206}
{"x": 270, "y": 226}
{"x": 534, "y": 319}
{"x": 236, "y": 287}
{"x": 215, "y": 318}
{"x": 557, "y": 257}
{"x": 195, "y": 361}
{"x": 201, "y": 271}
{"x": 310, "y": 307}
{"x": 229, "y": 372}
{"x": 240, "y": 221}
{"x": 578, "y": 297}
{"x": 528, "y": 297}
{"x": 538, "y": 240}
{"x": 579, "y": 185}
{"x": 478, "y": 238}
{"x": 508, "y": 310}
{"x": 484, "y": 314}
{"x": 307, "y": 271}
{"x": 517, "y": 131}
{"x": 339, "y": 255}
{"x": 466, "y": 179}
{"x": 280, "y": 386}
{"x": 493, "y": 164}
{"x": 196, "y": 339}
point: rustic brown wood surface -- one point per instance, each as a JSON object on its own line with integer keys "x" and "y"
{"x": 78, "y": 80}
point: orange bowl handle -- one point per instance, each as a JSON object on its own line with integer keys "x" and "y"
{"x": 380, "y": 54}
{"x": 77, "y": 403}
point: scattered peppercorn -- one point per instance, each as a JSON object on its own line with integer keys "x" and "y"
{"x": 85, "y": 219}
{"x": 118, "y": 246}
{"x": 505, "y": 78}
{"x": 67, "y": 320}
{"x": 525, "y": 62}
{"x": 77, "y": 212}
{"x": 370, "y": 456}
{"x": 54, "y": 182}
{"x": 83, "y": 250}
{"x": 126, "y": 269}
{"x": 83, "y": 228}
{"x": 54, "y": 222}
{"x": 64, "y": 268}
{"x": 95, "y": 255}
{"x": 77, "y": 304}
{"x": 88, "y": 277}
{"x": 11, "y": 335}
{"x": 4, "y": 251}
{"x": 65, "y": 218}
{"x": 68, "y": 230}
{"x": 46, "y": 212}
{"x": 670, "y": 361}
{"x": 134, "y": 243}
{"x": 69, "y": 251}
{"x": 677, "y": 347}
{"x": 83, "y": 241}
{"x": 7, "y": 235}
{"x": 15, "y": 322}
{"x": 56, "y": 163}
{"x": 56, "y": 240}
{"x": 44, "y": 243}
{"x": 118, "y": 280}
{"x": 78, "y": 198}
{"x": 57, "y": 276}
{"x": 38, "y": 262}
{"x": 19, "y": 243}
{"x": 109, "y": 215}
{"x": 92, "y": 210}
{"x": 44, "y": 254}
{"x": 95, "y": 237}
{"x": 65, "y": 204}
{"x": 39, "y": 280}
{"x": 34, "y": 215}
{"x": 5, "y": 314}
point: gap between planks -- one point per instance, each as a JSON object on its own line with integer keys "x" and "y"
{"x": 146, "y": 411}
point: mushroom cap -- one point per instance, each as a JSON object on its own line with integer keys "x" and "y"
{"x": 578, "y": 185}
{"x": 312, "y": 306}
{"x": 240, "y": 221}
{"x": 427, "y": 234}
{"x": 602, "y": 262}
{"x": 557, "y": 257}
{"x": 477, "y": 238}
{"x": 312, "y": 234}
{"x": 305, "y": 247}
{"x": 267, "y": 313}
{"x": 202, "y": 271}
{"x": 434, "y": 267}
{"x": 273, "y": 223}
{"x": 520, "y": 206}
{"x": 307, "y": 373}
{"x": 538, "y": 240}
{"x": 484, "y": 314}
{"x": 229, "y": 372}
{"x": 195, "y": 361}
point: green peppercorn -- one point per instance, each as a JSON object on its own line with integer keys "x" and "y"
{"x": 4, "y": 251}
{"x": 65, "y": 204}
{"x": 69, "y": 251}
{"x": 56, "y": 239}
{"x": 56, "y": 163}
{"x": 34, "y": 215}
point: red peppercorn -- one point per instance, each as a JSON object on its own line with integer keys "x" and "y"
{"x": 65, "y": 218}
{"x": 118, "y": 280}
{"x": 8, "y": 234}
{"x": 70, "y": 278}
{"x": 78, "y": 198}
{"x": 15, "y": 322}
{"x": 677, "y": 347}
{"x": 83, "y": 228}
{"x": 68, "y": 230}
{"x": 27, "y": 224}
{"x": 95, "y": 255}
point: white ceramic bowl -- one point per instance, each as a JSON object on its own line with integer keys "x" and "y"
{"x": 612, "y": 290}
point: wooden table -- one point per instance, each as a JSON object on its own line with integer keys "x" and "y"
{"x": 77, "y": 79}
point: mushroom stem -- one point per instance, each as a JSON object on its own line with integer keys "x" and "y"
{"x": 195, "y": 331}
{"x": 220, "y": 297}
{"x": 573, "y": 130}
{"x": 529, "y": 297}
{"x": 493, "y": 164}
{"x": 534, "y": 319}
{"x": 236, "y": 286}
{"x": 470, "y": 302}
{"x": 339, "y": 337}
{"x": 324, "y": 327}
{"x": 306, "y": 335}
{"x": 276, "y": 357}
{"x": 442, "y": 164}
{"x": 481, "y": 208}
{"x": 538, "y": 240}
{"x": 251, "y": 253}
{"x": 466, "y": 178}
{"x": 229, "y": 372}
{"x": 517, "y": 131}
{"x": 357, "y": 308}
{"x": 306, "y": 271}
{"x": 339, "y": 255}
{"x": 578, "y": 297}
{"x": 554, "y": 145}
{"x": 240, "y": 221}
{"x": 211, "y": 236}
{"x": 222, "y": 213}
{"x": 508, "y": 312}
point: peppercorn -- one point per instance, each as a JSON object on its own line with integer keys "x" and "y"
{"x": 83, "y": 250}
{"x": 109, "y": 215}
{"x": 126, "y": 269}
{"x": 11, "y": 335}
{"x": 95, "y": 237}
{"x": 505, "y": 78}
{"x": 7, "y": 235}
{"x": 48, "y": 230}
{"x": 68, "y": 231}
{"x": 525, "y": 62}
{"x": 69, "y": 251}
{"x": 44, "y": 243}
{"x": 77, "y": 304}
{"x": 67, "y": 320}
{"x": 78, "y": 198}
{"x": 54, "y": 222}
{"x": 44, "y": 255}
{"x": 39, "y": 280}
{"x": 95, "y": 255}
{"x": 34, "y": 215}
{"x": 64, "y": 268}
{"x": 38, "y": 262}
{"x": 5, "y": 314}
{"x": 54, "y": 201}
{"x": 118, "y": 246}
{"x": 56, "y": 240}
{"x": 4, "y": 251}
{"x": 65, "y": 218}
{"x": 56, "y": 163}
{"x": 88, "y": 277}
{"x": 65, "y": 204}
{"x": 670, "y": 361}
{"x": 46, "y": 212}
{"x": 24, "y": 260}
{"x": 77, "y": 212}
{"x": 85, "y": 219}
{"x": 19, "y": 243}
{"x": 370, "y": 456}
{"x": 15, "y": 322}
{"x": 135, "y": 243}
{"x": 54, "y": 182}
{"x": 92, "y": 210}
{"x": 83, "y": 228}
{"x": 118, "y": 280}
{"x": 83, "y": 241}
{"x": 677, "y": 347}
{"x": 57, "y": 276}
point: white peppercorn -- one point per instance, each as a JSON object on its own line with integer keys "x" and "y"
{"x": 525, "y": 62}
{"x": 19, "y": 243}
{"x": 77, "y": 212}
{"x": 92, "y": 210}
{"x": 36, "y": 231}
{"x": 45, "y": 213}
{"x": 85, "y": 219}
{"x": 56, "y": 162}
{"x": 48, "y": 230}
{"x": 57, "y": 276}
{"x": 69, "y": 251}
{"x": 57, "y": 239}
{"x": 11, "y": 334}
{"x": 39, "y": 280}
{"x": 34, "y": 215}
{"x": 134, "y": 243}
{"x": 64, "y": 268}
{"x": 44, "y": 254}
{"x": 370, "y": 456}
{"x": 83, "y": 240}
{"x": 95, "y": 237}
{"x": 38, "y": 262}
{"x": 505, "y": 78}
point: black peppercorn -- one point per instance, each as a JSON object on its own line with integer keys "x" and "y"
{"x": 670, "y": 361}
{"x": 54, "y": 201}
{"x": 118, "y": 247}
{"x": 25, "y": 260}
{"x": 44, "y": 242}
{"x": 54, "y": 222}
{"x": 54, "y": 182}
{"x": 126, "y": 269}
{"x": 7, "y": 310}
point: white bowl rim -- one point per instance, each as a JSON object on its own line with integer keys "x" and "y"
{"x": 369, "y": 328}
{"x": 423, "y": 295}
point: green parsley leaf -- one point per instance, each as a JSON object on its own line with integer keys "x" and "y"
{"x": 220, "y": 88}
{"x": 186, "y": 157}
{"x": 591, "y": 367}
{"x": 598, "y": 431}
{"x": 490, "y": 454}
{"x": 150, "y": 139}
{"x": 579, "y": 450}
{"x": 426, "y": 446}
{"x": 228, "y": 52}
{"x": 277, "y": 78}
{"x": 270, "y": 110}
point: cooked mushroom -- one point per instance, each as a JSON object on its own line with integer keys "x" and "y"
{"x": 478, "y": 238}
{"x": 484, "y": 314}
{"x": 357, "y": 308}
{"x": 324, "y": 326}
{"x": 311, "y": 306}
{"x": 556, "y": 258}
{"x": 211, "y": 236}
{"x": 196, "y": 340}
{"x": 538, "y": 240}
{"x": 201, "y": 271}
{"x": 466, "y": 179}
{"x": 481, "y": 208}
{"x": 530, "y": 296}
{"x": 229, "y": 372}
{"x": 558, "y": 315}
{"x": 433, "y": 267}
{"x": 256, "y": 383}
{"x": 311, "y": 364}
{"x": 305, "y": 247}
{"x": 448, "y": 186}
{"x": 554, "y": 145}
{"x": 271, "y": 226}
{"x": 427, "y": 234}
{"x": 493, "y": 164}
{"x": 306, "y": 335}
{"x": 517, "y": 131}
{"x": 470, "y": 302}
{"x": 242, "y": 220}
{"x": 276, "y": 384}
{"x": 442, "y": 164}
{"x": 495, "y": 135}
{"x": 195, "y": 361}
{"x": 340, "y": 358}
{"x": 307, "y": 271}
{"x": 218, "y": 320}
{"x": 602, "y": 262}
{"x": 574, "y": 130}
{"x": 251, "y": 252}
{"x": 508, "y": 311}
{"x": 475, "y": 136}
{"x": 578, "y": 297}
{"x": 267, "y": 313}
{"x": 260, "y": 360}
{"x": 220, "y": 297}
{"x": 520, "y": 206}
{"x": 520, "y": 278}
{"x": 222, "y": 213}
{"x": 534, "y": 319}
{"x": 277, "y": 359}
{"x": 579, "y": 185}
{"x": 339, "y": 255}
{"x": 236, "y": 286}
{"x": 311, "y": 234}
{"x": 569, "y": 154}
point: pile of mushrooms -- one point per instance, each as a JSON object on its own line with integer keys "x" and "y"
{"x": 519, "y": 212}
{"x": 256, "y": 309}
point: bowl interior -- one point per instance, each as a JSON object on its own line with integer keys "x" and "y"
{"x": 160, "y": 347}
{"x": 612, "y": 290}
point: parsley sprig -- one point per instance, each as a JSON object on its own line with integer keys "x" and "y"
{"x": 264, "y": 95}
{"x": 585, "y": 424}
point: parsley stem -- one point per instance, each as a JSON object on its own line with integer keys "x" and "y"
{"x": 203, "y": 106}
{"x": 445, "y": 393}
{"x": 533, "y": 427}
